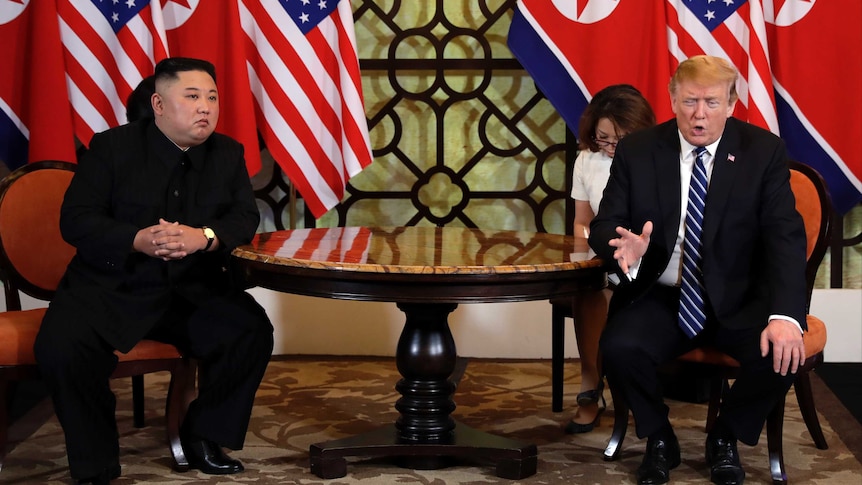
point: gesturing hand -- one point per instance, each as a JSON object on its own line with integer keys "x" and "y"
{"x": 630, "y": 246}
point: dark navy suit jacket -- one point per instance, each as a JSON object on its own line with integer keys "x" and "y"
{"x": 753, "y": 241}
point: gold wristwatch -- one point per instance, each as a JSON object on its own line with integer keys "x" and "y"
{"x": 210, "y": 235}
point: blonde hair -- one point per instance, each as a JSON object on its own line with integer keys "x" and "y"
{"x": 706, "y": 70}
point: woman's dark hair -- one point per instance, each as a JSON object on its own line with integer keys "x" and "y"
{"x": 139, "y": 104}
{"x": 623, "y": 105}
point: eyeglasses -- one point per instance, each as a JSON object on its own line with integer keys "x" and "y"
{"x": 605, "y": 143}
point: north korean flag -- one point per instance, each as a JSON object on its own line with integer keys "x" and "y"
{"x": 572, "y": 49}
{"x": 185, "y": 24}
{"x": 817, "y": 77}
{"x": 35, "y": 115}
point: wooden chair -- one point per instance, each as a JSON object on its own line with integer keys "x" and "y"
{"x": 561, "y": 308}
{"x": 813, "y": 203}
{"x": 33, "y": 258}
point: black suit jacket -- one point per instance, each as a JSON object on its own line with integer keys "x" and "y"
{"x": 753, "y": 237}
{"x": 119, "y": 188}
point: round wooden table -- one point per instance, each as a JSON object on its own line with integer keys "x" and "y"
{"x": 427, "y": 272}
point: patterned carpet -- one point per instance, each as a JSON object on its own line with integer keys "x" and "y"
{"x": 307, "y": 400}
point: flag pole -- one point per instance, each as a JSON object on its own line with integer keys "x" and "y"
{"x": 291, "y": 205}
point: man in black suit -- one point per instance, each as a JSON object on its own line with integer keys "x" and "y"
{"x": 154, "y": 210}
{"x": 745, "y": 265}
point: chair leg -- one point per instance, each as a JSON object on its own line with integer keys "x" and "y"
{"x": 621, "y": 423}
{"x": 717, "y": 388}
{"x": 4, "y": 420}
{"x": 558, "y": 344}
{"x": 138, "y": 401}
{"x": 179, "y": 395}
{"x": 805, "y": 398}
{"x": 775, "y": 443}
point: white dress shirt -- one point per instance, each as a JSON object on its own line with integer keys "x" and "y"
{"x": 672, "y": 275}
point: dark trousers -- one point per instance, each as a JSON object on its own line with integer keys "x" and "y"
{"x": 231, "y": 337}
{"x": 643, "y": 335}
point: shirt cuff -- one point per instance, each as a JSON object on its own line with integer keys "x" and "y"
{"x": 633, "y": 270}
{"x": 789, "y": 319}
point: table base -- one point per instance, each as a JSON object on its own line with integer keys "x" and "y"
{"x": 425, "y": 437}
{"x": 513, "y": 460}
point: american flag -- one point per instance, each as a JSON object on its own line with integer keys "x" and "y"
{"x": 304, "y": 74}
{"x": 110, "y": 46}
{"x": 734, "y": 30}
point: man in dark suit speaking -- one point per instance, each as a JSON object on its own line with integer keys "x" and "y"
{"x": 154, "y": 210}
{"x": 699, "y": 215}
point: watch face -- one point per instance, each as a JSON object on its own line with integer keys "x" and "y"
{"x": 209, "y": 233}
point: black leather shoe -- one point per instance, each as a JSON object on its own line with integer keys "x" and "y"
{"x": 723, "y": 460}
{"x": 661, "y": 456}
{"x": 103, "y": 478}
{"x": 208, "y": 457}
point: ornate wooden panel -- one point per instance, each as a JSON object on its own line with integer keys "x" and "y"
{"x": 459, "y": 133}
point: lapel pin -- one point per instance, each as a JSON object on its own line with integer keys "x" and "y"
{"x": 730, "y": 157}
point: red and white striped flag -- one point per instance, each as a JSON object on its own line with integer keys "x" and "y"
{"x": 109, "y": 48}
{"x": 304, "y": 73}
{"x": 734, "y": 31}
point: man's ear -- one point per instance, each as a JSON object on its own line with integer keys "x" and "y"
{"x": 730, "y": 109}
{"x": 156, "y": 101}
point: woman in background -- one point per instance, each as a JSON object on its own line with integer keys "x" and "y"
{"x": 613, "y": 113}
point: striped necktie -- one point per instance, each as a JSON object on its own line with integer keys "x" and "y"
{"x": 692, "y": 315}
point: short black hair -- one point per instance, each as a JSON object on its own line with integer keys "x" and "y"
{"x": 169, "y": 67}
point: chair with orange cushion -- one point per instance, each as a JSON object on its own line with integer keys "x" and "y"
{"x": 813, "y": 204}
{"x": 33, "y": 258}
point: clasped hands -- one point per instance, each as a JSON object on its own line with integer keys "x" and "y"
{"x": 169, "y": 240}
{"x": 780, "y": 336}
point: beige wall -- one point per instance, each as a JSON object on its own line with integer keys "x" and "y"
{"x": 317, "y": 326}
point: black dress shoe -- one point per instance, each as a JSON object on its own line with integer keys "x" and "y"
{"x": 208, "y": 457}
{"x": 662, "y": 455}
{"x": 723, "y": 460}
{"x": 103, "y": 478}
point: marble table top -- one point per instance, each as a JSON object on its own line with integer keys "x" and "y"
{"x": 418, "y": 250}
